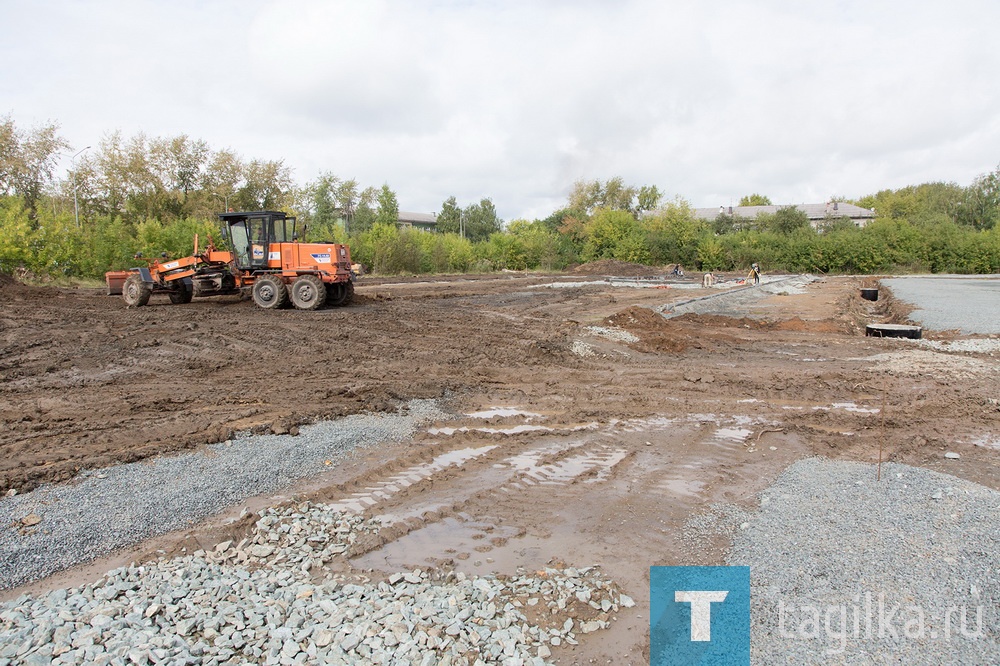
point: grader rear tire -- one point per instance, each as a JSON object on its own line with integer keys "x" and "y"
{"x": 270, "y": 293}
{"x": 181, "y": 296}
{"x": 135, "y": 291}
{"x": 340, "y": 294}
{"x": 308, "y": 293}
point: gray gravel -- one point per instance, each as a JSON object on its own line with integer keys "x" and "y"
{"x": 970, "y": 304}
{"x": 736, "y": 301}
{"x": 104, "y": 510}
{"x": 829, "y": 537}
{"x": 257, "y": 602}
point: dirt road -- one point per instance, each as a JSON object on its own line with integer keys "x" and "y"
{"x": 588, "y": 428}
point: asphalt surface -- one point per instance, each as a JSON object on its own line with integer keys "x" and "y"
{"x": 970, "y": 304}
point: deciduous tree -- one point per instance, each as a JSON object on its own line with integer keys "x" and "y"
{"x": 388, "y": 207}
{"x": 648, "y": 198}
{"x": 480, "y": 220}
{"x": 28, "y": 159}
{"x": 322, "y": 200}
{"x": 586, "y": 197}
{"x": 981, "y": 207}
{"x": 223, "y": 177}
{"x": 755, "y": 200}
{"x": 267, "y": 185}
{"x": 787, "y": 219}
{"x": 347, "y": 198}
{"x": 364, "y": 214}
{"x": 449, "y": 220}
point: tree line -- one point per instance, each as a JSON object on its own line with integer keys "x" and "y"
{"x": 151, "y": 195}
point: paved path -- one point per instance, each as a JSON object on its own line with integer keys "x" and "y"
{"x": 970, "y": 303}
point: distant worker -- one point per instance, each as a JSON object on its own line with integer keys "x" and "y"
{"x": 708, "y": 280}
{"x": 677, "y": 271}
{"x": 754, "y": 273}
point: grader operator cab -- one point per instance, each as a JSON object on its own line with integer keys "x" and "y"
{"x": 266, "y": 258}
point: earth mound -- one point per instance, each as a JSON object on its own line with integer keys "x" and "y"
{"x": 655, "y": 333}
{"x": 699, "y": 331}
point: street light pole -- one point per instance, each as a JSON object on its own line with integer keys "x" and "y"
{"x": 76, "y": 205}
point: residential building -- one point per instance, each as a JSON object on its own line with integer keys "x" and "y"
{"x": 422, "y": 221}
{"x": 817, "y": 213}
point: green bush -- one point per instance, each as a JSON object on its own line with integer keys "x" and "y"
{"x": 613, "y": 234}
{"x": 52, "y": 244}
{"x": 112, "y": 246}
{"x": 458, "y": 252}
{"x": 17, "y": 237}
{"x": 674, "y": 234}
{"x": 712, "y": 256}
{"x": 543, "y": 247}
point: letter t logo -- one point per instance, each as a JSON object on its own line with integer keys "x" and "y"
{"x": 701, "y": 611}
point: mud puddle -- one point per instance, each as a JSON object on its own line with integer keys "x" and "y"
{"x": 445, "y": 542}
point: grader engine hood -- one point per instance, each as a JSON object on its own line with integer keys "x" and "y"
{"x": 330, "y": 258}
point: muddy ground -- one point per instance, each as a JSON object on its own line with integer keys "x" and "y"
{"x": 610, "y": 445}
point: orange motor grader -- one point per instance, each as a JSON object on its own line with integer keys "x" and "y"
{"x": 266, "y": 258}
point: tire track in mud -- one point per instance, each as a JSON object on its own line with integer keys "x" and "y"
{"x": 592, "y": 466}
{"x": 462, "y": 521}
{"x": 687, "y": 479}
{"x": 548, "y": 464}
{"x": 384, "y": 490}
{"x": 501, "y": 523}
{"x": 440, "y": 496}
{"x": 458, "y": 521}
{"x": 537, "y": 471}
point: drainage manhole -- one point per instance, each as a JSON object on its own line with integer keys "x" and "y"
{"x": 893, "y": 331}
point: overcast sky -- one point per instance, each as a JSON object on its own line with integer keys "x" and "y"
{"x": 515, "y": 101}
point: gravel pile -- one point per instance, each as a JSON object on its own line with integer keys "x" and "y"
{"x": 833, "y": 552}
{"x": 304, "y": 536}
{"x": 717, "y": 520}
{"x": 736, "y": 302}
{"x": 254, "y": 602}
{"x": 55, "y": 527}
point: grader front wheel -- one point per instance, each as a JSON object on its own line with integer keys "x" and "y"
{"x": 135, "y": 291}
{"x": 269, "y": 293}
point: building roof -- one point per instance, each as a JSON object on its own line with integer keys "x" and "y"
{"x": 812, "y": 211}
{"x": 417, "y": 218}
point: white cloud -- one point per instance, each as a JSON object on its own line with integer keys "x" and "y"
{"x": 516, "y": 100}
